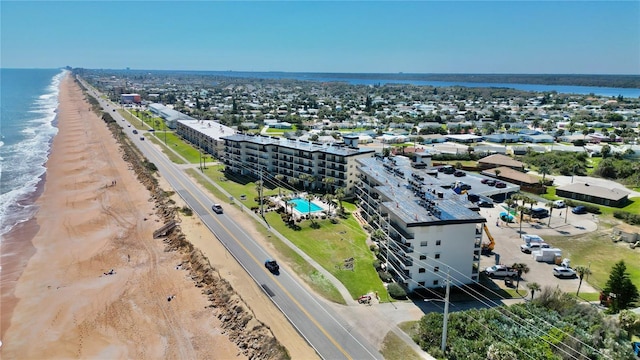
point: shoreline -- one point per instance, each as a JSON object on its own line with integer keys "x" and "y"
{"x": 94, "y": 215}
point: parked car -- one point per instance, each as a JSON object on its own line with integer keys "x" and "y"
{"x": 217, "y": 208}
{"x": 533, "y": 246}
{"x": 579, "y": 210}
{"x": 464, "y": 186}
{"x": 485, "y": 203}
{"x": 501, "y": 185}
{"x": 449, "y": 170}
{"x": 500, "y": 271}
{"x": 559, "y": 204}
{"x": 459, "y": 173}
{"x": 564, "y": 272}
{"x": 272, "y": 266}
{"x": 484, "y": 181}
{"x": 491, "y": 182}
{"x": 539, "y": 213}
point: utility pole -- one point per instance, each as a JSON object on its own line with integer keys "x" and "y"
{"x": 261, "y": 190}
{"x": 443, "y": 347}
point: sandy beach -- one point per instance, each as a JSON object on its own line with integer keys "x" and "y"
{"x": 95, "y": 216}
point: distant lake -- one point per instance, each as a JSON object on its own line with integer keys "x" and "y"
{"x": 564, "y": 89}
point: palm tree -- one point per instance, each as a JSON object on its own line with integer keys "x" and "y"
{"x": 521, "y": 209}
{"x": 521, "y": 268}
{"x": 549, "y": 204}
{"x": 328, "y": 181}
{"x": 293, "y": 181}
{"x": 279, "y": 177}
{"x": 544, "y": 170}
{"x": 329, "y": 199}
{"x": 339, "y": 196}
{"x": 510, "y": 202}
{"x": 497, "y": 172}
{"x": 534, "y": 286}
{"x": 581, "y": 270}
{"x": 309, "y": 197}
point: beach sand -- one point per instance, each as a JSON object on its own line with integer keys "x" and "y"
{"x": 94, "y": 216}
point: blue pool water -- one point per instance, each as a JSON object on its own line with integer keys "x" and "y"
{"x": 302, "y": 205}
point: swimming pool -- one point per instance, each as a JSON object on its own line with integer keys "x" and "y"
{"x": 302, "y": 205}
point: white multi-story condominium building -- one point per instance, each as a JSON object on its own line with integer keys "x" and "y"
{"x": 307, "y": 162}
{"x": 206, "y": 135}
{"x": 430, "y": 231}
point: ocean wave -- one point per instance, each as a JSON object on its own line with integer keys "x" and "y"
{"x": 23, "y": 163}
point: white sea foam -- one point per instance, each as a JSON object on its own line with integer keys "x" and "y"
{"x": 23, "y": 164}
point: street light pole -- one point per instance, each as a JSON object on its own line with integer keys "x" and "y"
{"x": 445, "y": 320}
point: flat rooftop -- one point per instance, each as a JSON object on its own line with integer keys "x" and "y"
{"x": 419, "y": 199}
{"x": 334, "y": 149}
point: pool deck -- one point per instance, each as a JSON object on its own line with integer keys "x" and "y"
{"x": 324, "y": 207}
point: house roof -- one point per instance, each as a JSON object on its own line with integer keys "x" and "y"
{"x": 499, "y": 159}
{"x": 594, "y": 190}
{"x": 514, "y": 175}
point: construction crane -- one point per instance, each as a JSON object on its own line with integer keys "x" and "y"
{"x": 487, "y": 248}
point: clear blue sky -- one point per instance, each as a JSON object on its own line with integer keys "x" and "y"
{"x": 568, "y": 37}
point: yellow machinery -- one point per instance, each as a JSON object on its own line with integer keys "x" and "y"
{"x": 487, "y": 248}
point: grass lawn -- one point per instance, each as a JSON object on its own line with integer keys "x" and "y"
{"x": 394, "y": 348}
{"x": 170, "y": 154}
{"x": 330, "y": 245}
{"x": 186, "y": 150}
{"x": 597, "y": 251}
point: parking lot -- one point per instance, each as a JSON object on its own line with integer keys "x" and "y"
{"x": 508, "y": 241}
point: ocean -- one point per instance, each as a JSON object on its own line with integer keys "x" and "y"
{"x": 28, "y": 105}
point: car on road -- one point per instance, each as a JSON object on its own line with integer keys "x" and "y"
{"x": 135, "y": 131}
{"x": 533, "y": 246}
{"x": 114, "y": 110}
{"x": 142, "y": 138}
{"x": 501, "y": 185}
{"x": 272, "y": 266}
{"x": 564, "y": 272}
{"x": 459, "y": 173}
{"x": 500, "y": 271}
{"x": 559, "y": 204}
{"x": 579, "y": 210}
{"x": 217, "y": 208}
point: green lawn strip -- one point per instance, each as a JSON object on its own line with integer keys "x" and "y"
{"x": 170, "y": 154}
{"x": 330, "y": 245}
{"x": 394, "y": 348}
{"x": 135, "y": 122}
{"x": 597, "y": 251}
{"x": 588, "y": 297}
{"x": 194, "y": 173}
{"x": 186, "y": 150}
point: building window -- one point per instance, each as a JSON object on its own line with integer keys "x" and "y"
{"x": 421, "y": 270}
{"x": 435, "y": 282}
{"x": 436, "y": 269}
{"x": 420, "y": 283}
{"x": 423, "y": 257}
{"x": 438, "y": 256}
{"x": 423, "y": 243}
{"x": 438, "y": 242}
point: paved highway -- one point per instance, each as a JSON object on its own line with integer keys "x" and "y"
{"x": 323, "y": 328}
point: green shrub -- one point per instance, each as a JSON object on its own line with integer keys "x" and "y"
{"x": 396, "y": 291}
{"x": 627, "y": 217}
{"x": 377, "y": 264}
{"x": 186, "y": 211}
{"x": 384, "y": 276}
